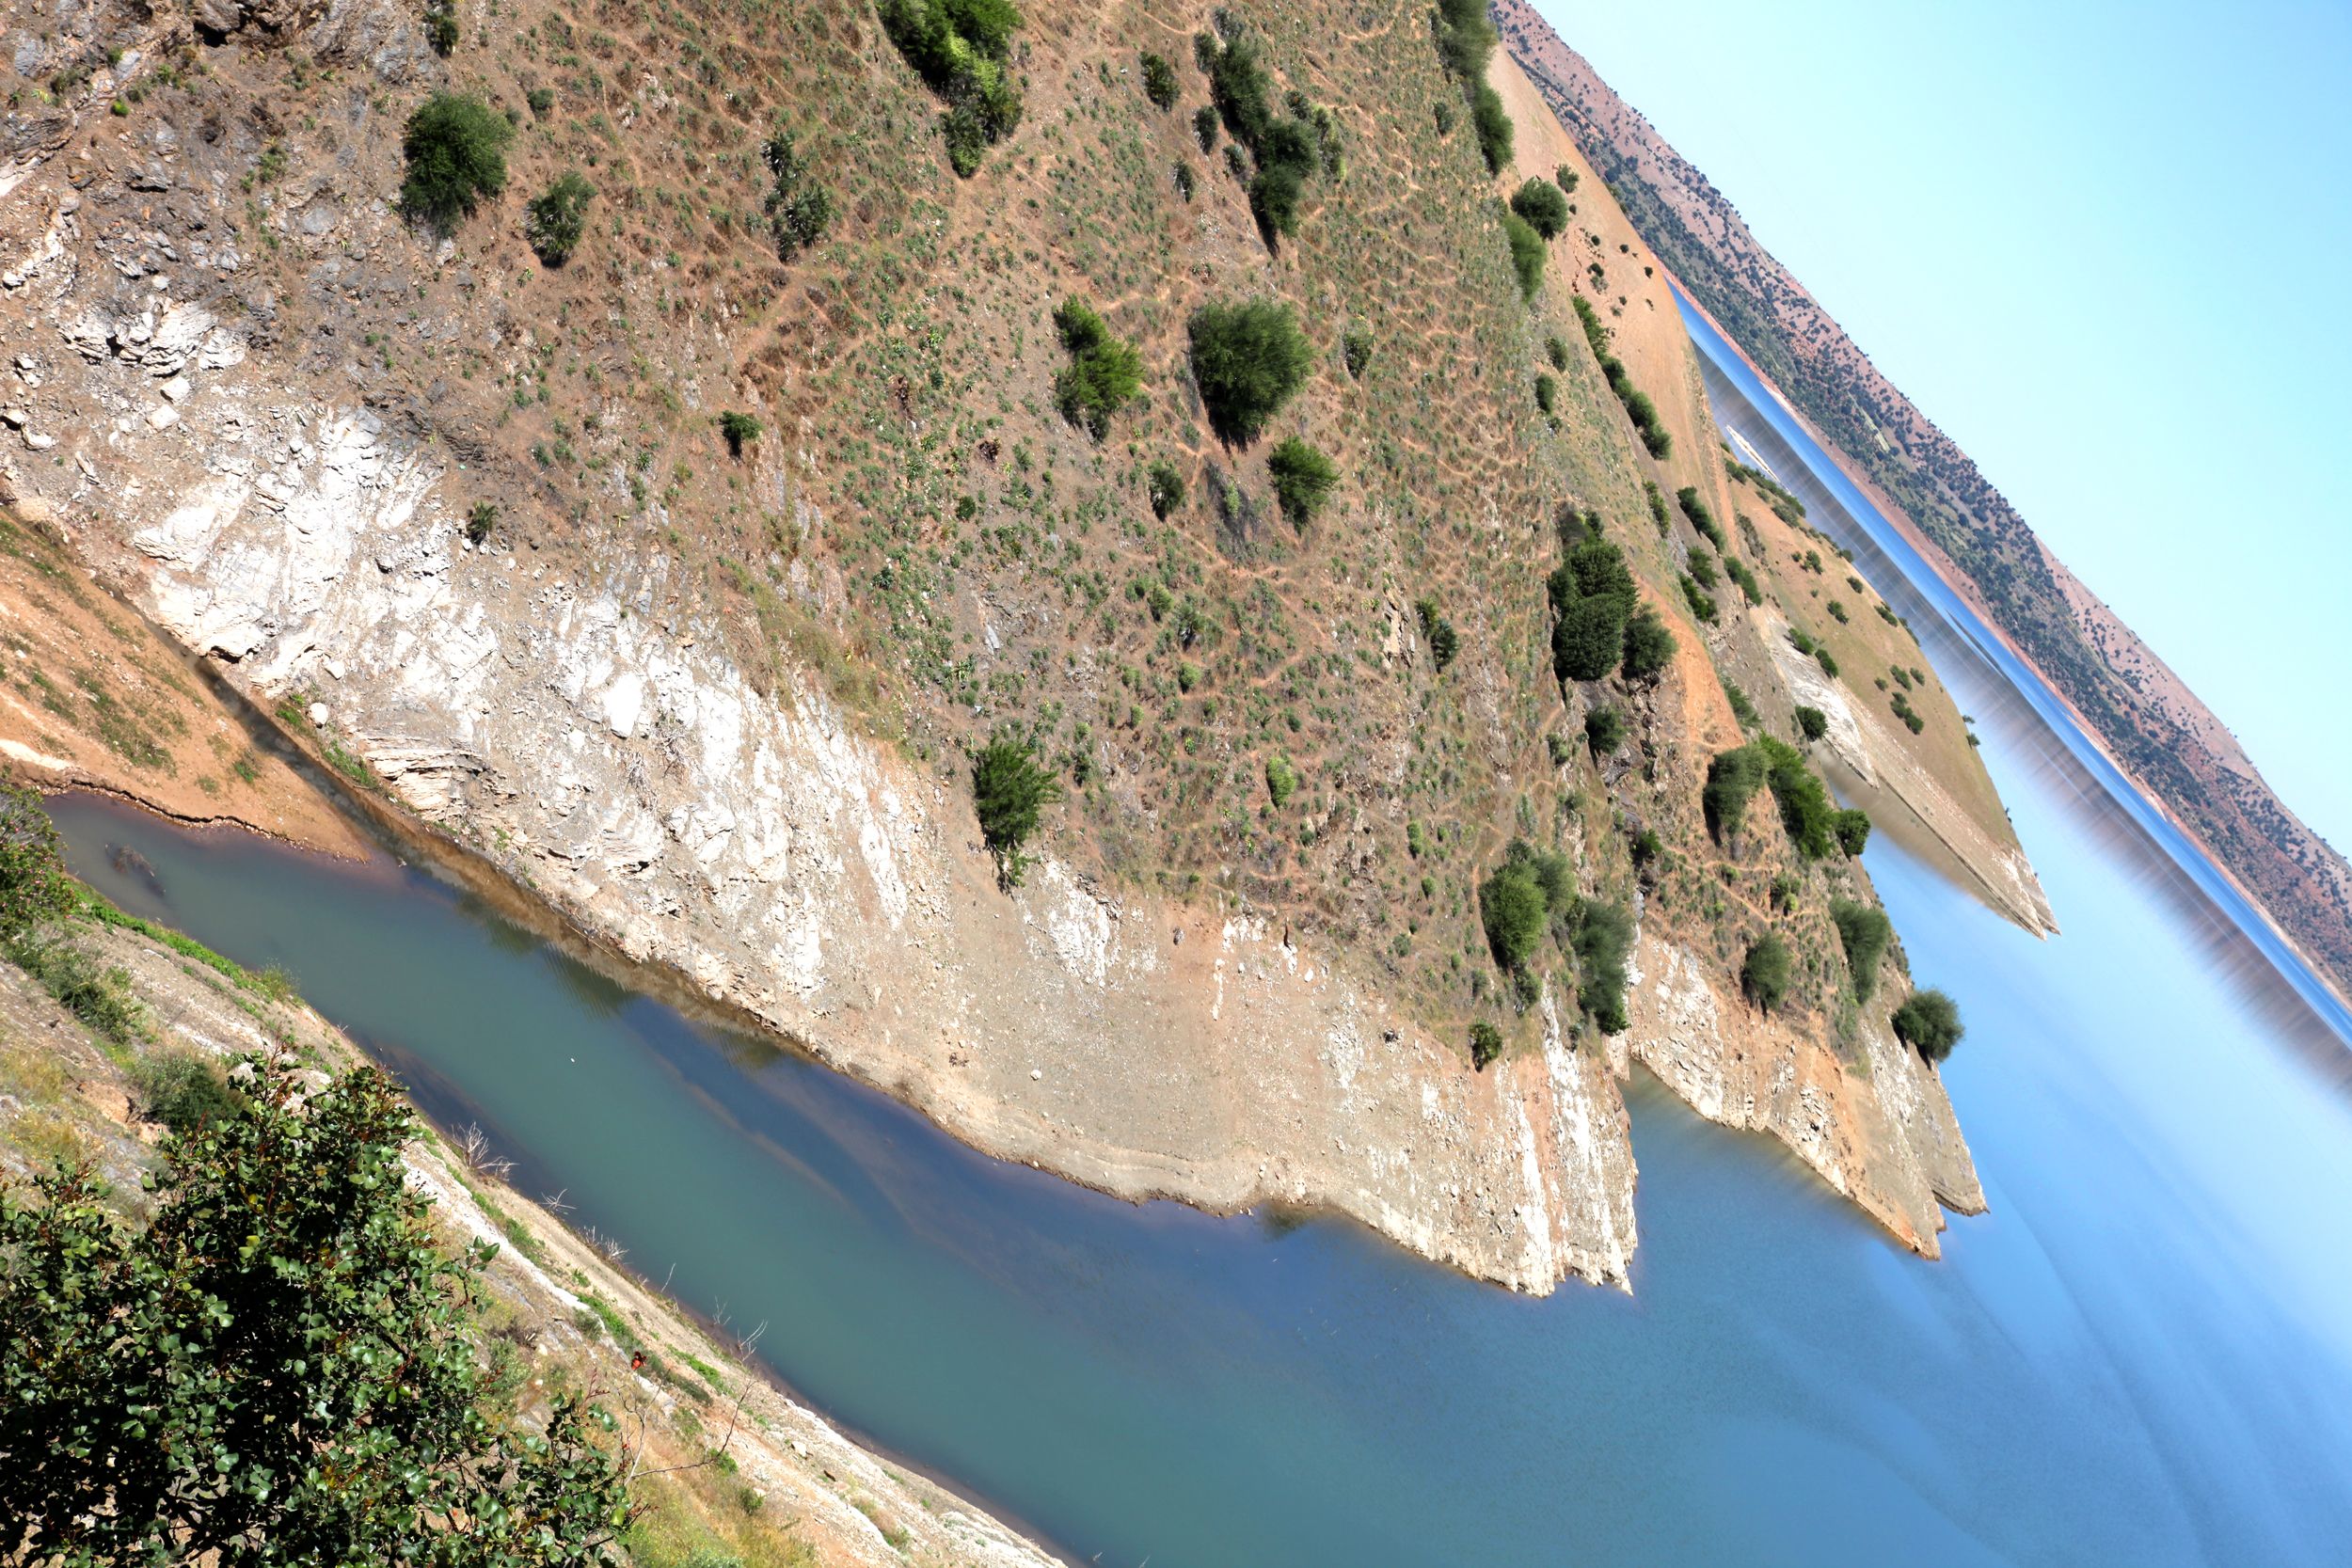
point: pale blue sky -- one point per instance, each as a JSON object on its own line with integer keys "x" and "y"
{"x": 2107, "y": 247}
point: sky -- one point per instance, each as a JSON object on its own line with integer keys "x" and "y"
{"x": 2108, "y": 247}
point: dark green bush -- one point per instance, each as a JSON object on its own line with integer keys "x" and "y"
{"x": 1702, "y": 568}
{"x": 1812, "y": 724}
{"x": 1159, "y": 80}
{"x": 1765, "y": 974}
{"x": 1010, "y": 788}
{"x": 1741, "y": 708}
{"x": 1493, "y": 123}
{"x": 1465, "y": 36}
{"x": 555, "y": 220}
{"x": 1865, "y": 933}
{"x": 1444, "y": 643}
{"x": 1604, "y": 730}
{"x": 1204, "y": 127}
{"x": 1247, "y": 361}
{"x": 456, "y": 146}
{"x": 1588, "y": 638}
{"x": 1356, "y": 348}
{"x": 1701, "y": 519}
{"x": 959, "y": 47}
{"x": 1732, "y": 779}
{"x": 1929, "y": 1022}
{"x": 1566, "y": 179}
{"x": 541, "y": 100}
{"x": 1556, "y": 350}
{"x": 482, "y": 520}
{"x": 1512, "y": 907}
{"x": 1702, "y": 607}
{"x": 1485, "y": 1042}
{"x": 34, "y": 886}
{"x": 1805, "y": 809}
{"x": 1544, "y": 208}
{"x": 1852, "y": 826}
{"x": 738, "y": 428}
{"x": 1603, "y": 942}
{"x": 798, "y": 209}
{"x": 1546, "y": 394}
{"x": 1165, "y": 485}
{"x": 1303, "y": 479}
{"x": 1104, "y": 374}
{"x": 440, "y": 26}
{"x": 1526, "y": 253}
{"x": 1649, "y": 647}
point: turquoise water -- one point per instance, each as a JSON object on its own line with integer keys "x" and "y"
{"x": 2143, "y": 1354}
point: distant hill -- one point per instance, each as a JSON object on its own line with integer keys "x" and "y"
{"x": 2146, "y": 716}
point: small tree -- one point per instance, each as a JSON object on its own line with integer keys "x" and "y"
{"x": 1603, "y": 942}
{"x": 1556, "y": 350}
{"x": 279, "y": 1368}
{"x": 1159, "y": 80}
{"x": 1864, "y": 932}
{"x": 738, "y": 428}
{"x": 799, "y": 208}
{"x": 1165, "y": 487}
{"x": 1732, "y": 779}
{"x": 1526, "y": 253}
{"x": 1588, "y": 638}
{"x": 482, "y": 520}
{"x": 554, "y": 222}
{"x": 1544, "y": 208}
{"x": 1812, "y": 724}
{"x": 1852, "y": 828}
{"x": 1929, "y": 1022}
{"x": 1205, "y": 126}
{"x": 34, "y": 887}
{"x": 1765, "y": 974}
{"x": 1104, "y": 374}
{"x": 1303, "y": 479}
{"x": 1486, "y": 1043}
{"x": 1604, "y": 730}
{"x": 1356, "y": 348}
{"x": 1247, "y": 360}
{"x": 457, "y": 152}
{"x": 1566, "y": 179}
{"x": 1010, "y": 788}
{"x": 1649, "y": 647}
{"x": 1282, "y": 780}
{"x": 1493, "y": 123}
{"x": 1512, "y": 907}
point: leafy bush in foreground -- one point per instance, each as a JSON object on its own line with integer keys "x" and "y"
{"x": 279, "y": 1368}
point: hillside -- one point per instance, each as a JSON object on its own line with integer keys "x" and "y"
{"x": 2132, "y": 703}
{"x": 680, "y": 578}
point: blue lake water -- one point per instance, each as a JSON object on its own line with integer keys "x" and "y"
{"x": 2143, "y": 1354}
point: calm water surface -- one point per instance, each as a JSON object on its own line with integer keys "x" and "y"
{"x": 2142, "y": 1355}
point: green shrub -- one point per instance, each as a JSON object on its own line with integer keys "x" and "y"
{"x": 1159, "y": 80}
{"x": 1805, "y": 809}
{"x": 1546, "y": 394}
{"x": 1184, "y": 179}
{"x": 440, "y": 26}
{"x": 1812, "y": 724}
{"x": 1702, "y": 607}
{"x": 34, "y": 886}
{"x": 959, "y": 47}
{"x": 1738, "y": 571}
{"x": 1649, "y": 647}
{"x": 1929, "y": 1022}
{"x": 1282, "y": 780}
{"x": 798, "y": 209}
{"x": 1865, "y": 933}
{"x": 1732, "y": 779}
{"x": 1010, "y": 788}
{"x": 1303, "y": 479}
{"x": 1204, "y": 127}
{"x": 1492, "y": 122}
{"x": 1852, "y": 828}
{"x": 1604, "y": 730}
{"x": 1543, "y": 206}
{"x": 1764, "y": 974}
{"x": 482, "y": 520}
{"x": 1741, "y": 708}
{"x": 1566, "y": 179}
{"x": 1588, "y": 638}
{"x": 1702, "y": 566}
{"x": 1556, "y": 350}
{"x": 287, "y": 1317}
{"x": 1526, "y": 253}
{"x": 1247, "y": 361}
{"x": 456, "y": 146}
{"x": 738, "y": 428}
{"x": 1444, "y": 642}
{"x": 541, "y": 100}
{"x": 1165, "y": 485}
{"x": 1465, "y": 36}
{"x": 1485, "y": 1042}
{"x": 1701, "y": 519}
{"x": 1603, "y": 942}
{"x": 1512, "y": 907}
{"x": 1356, "y": 349}
{"x": 185, "y": 1091}
{"x": 554, "y": 221}
{"x": 1104, "y": 374}
{"x": 1827, "y": 660}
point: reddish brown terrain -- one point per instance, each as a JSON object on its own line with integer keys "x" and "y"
{"x": 2131, "y": 702}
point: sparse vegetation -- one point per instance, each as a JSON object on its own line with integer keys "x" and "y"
{"x": 1655, "y": 438}
{"x": 799, "y": 208}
